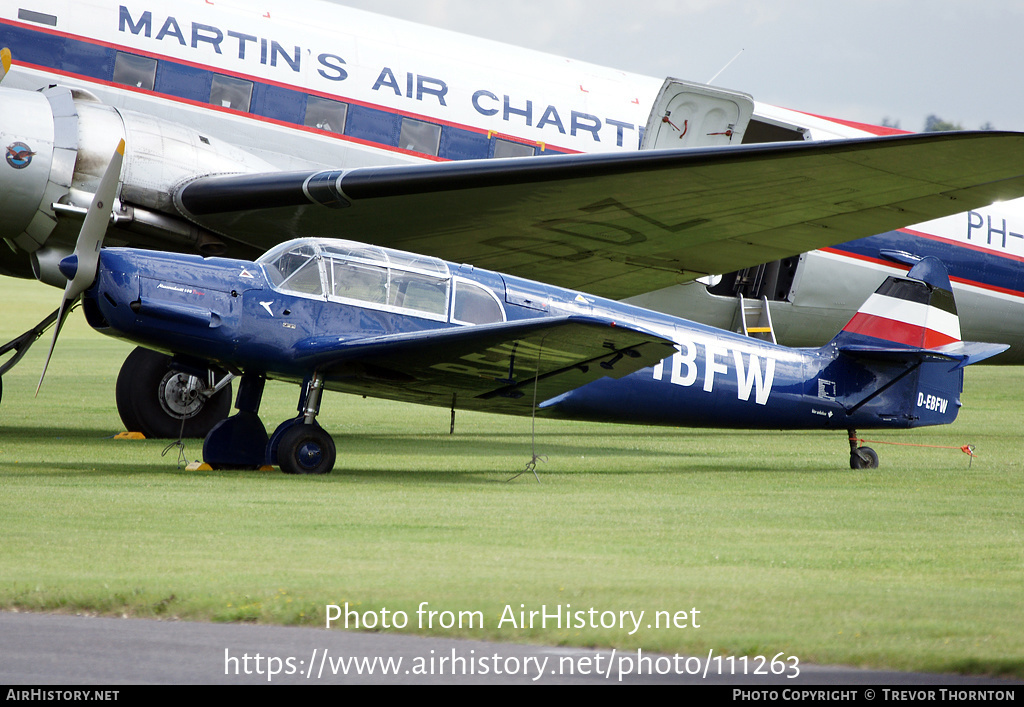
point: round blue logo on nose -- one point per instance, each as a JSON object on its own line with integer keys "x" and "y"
{"x": 19, "y": 155}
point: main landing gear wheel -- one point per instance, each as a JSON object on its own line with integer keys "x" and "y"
{"x": 152, "y": 398}
{"x": 306, "y": 449}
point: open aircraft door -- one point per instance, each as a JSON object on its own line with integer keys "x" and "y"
{"x": 695, "y": 115}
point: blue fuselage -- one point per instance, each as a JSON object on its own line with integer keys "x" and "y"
{"x": 234, "y": 314}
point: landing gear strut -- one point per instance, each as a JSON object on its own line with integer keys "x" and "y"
{"x": 861, "y": 457}
{"x": 154, "y": 399}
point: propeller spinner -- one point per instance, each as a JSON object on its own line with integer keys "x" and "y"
{"x": 80, "y": 267}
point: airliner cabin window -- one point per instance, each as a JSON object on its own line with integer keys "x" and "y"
{"x": 507, "y": 148}
{"x": 228, "y": 92}
{"x": 37, "y": 17}
{"x": 137, "y": 71}
{"x": 420, "y": 137}
{"x": 325, "y": 114}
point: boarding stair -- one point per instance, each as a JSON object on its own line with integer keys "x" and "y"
{"x": 755, "y": 319}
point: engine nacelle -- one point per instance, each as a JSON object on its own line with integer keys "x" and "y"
{"x": 41, "y": 149}
{"x": 58, "y": 143}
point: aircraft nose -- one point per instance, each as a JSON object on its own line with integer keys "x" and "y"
{"x": 115, "y": 288}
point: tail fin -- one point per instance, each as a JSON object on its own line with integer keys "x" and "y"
{"x": 916, "y": 312}
{"x": 901, "y": 357}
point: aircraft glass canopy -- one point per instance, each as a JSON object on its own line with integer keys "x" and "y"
{"x": 361, "y": 274}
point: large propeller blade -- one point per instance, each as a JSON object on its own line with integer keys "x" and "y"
{"x": 80, "y": 267}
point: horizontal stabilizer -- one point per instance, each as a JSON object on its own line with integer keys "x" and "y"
{"x": 963, "y": 352}
{"x": 487, "y": 367}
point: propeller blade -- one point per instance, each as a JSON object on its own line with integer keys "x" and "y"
{"x": 5, "y": 62}
{"x": 61, "y": 316}
{"x": 86, "y": 257}
{"x": 80, "y": 267}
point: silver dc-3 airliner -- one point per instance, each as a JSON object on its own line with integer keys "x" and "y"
{"x": 248, "y": 127}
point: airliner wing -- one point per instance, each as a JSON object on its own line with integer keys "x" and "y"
{"x": 618, "y": 225}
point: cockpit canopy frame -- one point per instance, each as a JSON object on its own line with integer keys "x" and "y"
{"x": 367, "y": 275}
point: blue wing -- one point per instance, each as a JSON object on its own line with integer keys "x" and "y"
{"x": 494, "y": 367}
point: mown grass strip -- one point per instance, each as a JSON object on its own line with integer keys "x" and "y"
{"x": 917, "y": 565}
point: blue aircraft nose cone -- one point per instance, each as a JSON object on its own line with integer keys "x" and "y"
{"x": 69, "y": 266}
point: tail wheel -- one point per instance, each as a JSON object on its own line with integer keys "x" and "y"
{"x": 306, "y": 449}
{"x": 864, "y": 458}
{"x": 153, "y": 399}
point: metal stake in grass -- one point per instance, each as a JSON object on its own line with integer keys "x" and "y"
{"x": 180, "y": 444}
{"x": 531, "y": 465}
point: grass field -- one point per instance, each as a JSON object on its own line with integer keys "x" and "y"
{"x": 917, "y": 565}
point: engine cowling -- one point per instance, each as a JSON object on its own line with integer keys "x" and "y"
{"x": 40, "y": 134}
{"x": 58, "y": 142}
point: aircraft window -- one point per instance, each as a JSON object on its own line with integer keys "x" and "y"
{"x": 346, "y": 250}
{"x": 38, "y": 17}
{"x": 418, "y": 262}
{"x": 138, "y": 71}
{"x": 420, "y": 292}
{"x": 366, "y": 283}
{"x": 506, "y": 148}
{"x": 359, "y": 272}
{"x": 305, "y": 280}
{"x": 325, "y": 114}
{"x": 475, "y": 305}
{"x": 296, "y": 270}
{"x": 229, "y": 92}
{"x": 420, "y": 137}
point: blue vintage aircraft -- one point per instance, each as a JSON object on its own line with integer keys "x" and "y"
{"x": 333, "y": 314}
{"x": 351, "y": 317}
{"x": 339, "y": 315}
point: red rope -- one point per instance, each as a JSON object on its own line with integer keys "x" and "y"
{"x": 967, "y": 449}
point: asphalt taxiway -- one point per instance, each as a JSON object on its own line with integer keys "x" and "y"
{"x": 48, "y": 649}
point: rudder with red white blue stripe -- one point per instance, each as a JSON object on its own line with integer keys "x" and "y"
{"x": 916, "y": 312}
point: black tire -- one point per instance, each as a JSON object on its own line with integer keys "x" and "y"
{"x": 150, "y": 399}
{"x": 864, "y": 458}
{"x": 306, "y": 449}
